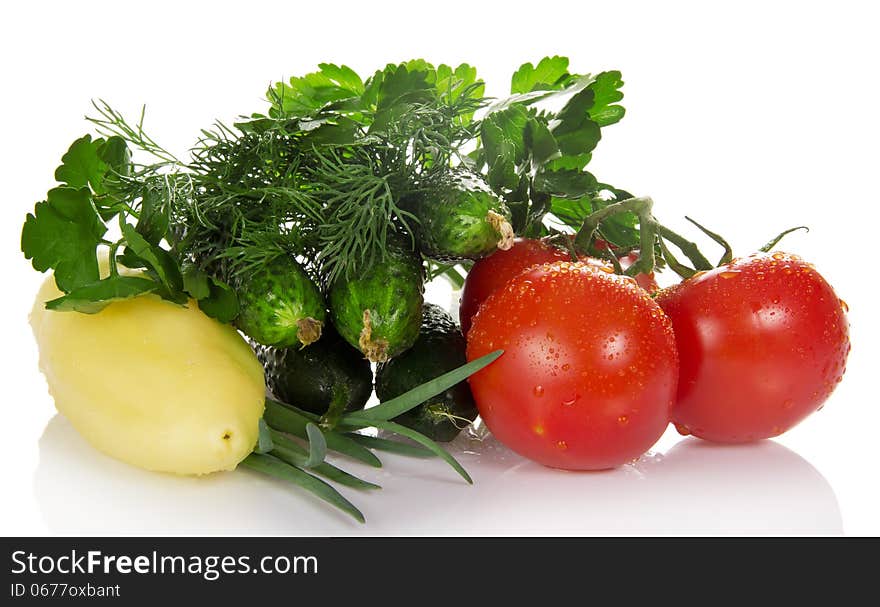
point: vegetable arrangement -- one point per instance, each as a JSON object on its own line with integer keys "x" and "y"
{"x": 311, "y": 228}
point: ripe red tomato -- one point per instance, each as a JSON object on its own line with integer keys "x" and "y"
{"x": 589, "y": 366}
{"x": 762, "y": 341}
{"x": 494, "y": 271}
{"x": 646, "y": 281}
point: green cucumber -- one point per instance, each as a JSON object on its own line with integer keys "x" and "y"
{"x": 328, "y": 378}
{"x": 379, "y": 311}
{"x": 280, "y": 305}
{"x": 463, "y": 221}
{"x": 439, "y": 348}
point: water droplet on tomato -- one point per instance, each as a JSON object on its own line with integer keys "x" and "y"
{"x": 570, "y": 401}
{"x": 561, "y": 445}
{"x": 538, "y": 391}
{"x": 682, "y": 430}
{"x": 787, "y": 403}
{"x": 844, "y": 305}
{"x": 778, "y": 256}
{"x": 623, "y": 420}
{"x": 729, "y": 274}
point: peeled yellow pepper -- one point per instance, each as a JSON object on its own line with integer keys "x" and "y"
{"x": 152, "y": 383}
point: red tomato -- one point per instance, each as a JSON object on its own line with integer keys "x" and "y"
{"x": 589, "y": 366}
{"x": 494, "y": 271}
{"x": 646, "y": 281}
{"x": 762, "y": 340}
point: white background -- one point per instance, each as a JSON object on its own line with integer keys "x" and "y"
{"x": 750, "y": 116}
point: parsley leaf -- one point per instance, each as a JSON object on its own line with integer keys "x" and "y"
{"x": 155, "y": 258}
{"x": 81, "y": 167}
{"x": 196, "y": 282}
{"x": 222, "y": 303}
{"x": 462, "y": 81}
{"x": 575, "y": 132}
{"x": 153, "y": 221}
{"x": 503, "y": 137}
{"x": 566, "y": 183}
{"x": 405, "y": 82}
{"x": 216, "y": 298}
{"x": 606, "y": 89}
{"x": 94, "y": 164}
{"x": 63, "y": 234}
{"x": 541, "y": 142}
{"x": 550, "y": 74}
{"x": 305, "y": 96}
{"x": 536, "y": 154}
{"x": 94, "y": 297}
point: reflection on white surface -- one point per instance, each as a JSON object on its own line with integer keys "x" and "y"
{"x": 694, "y": 488}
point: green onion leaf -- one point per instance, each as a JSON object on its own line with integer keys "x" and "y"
{"x": 264, "y": 442}
{"x": 293, "y": 421}
{"x": 419, "y": 438}
{"x": 317, "y": 445}
{"x": 391, "y": 446}
{"x": 294, "y": 454}
{"x": 276, "y": 468}
{"x": 408, "y": 400}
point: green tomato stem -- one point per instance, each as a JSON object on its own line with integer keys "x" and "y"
{"x": 767, "y": 247}
{"x": 687, "y": 247}
{"x": 641, "y": 206}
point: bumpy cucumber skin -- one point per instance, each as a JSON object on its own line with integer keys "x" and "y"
{"x": 310, "y": 378}
{"x": 455, "y": 225}
{"x": 392, "y": 292}
{"x": 273, "y": 301}
{"x": 439, "y": 348}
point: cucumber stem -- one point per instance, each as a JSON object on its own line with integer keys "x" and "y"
{"x": 308, "y": 330}
{"x": 375, "y": 350}
{"x": 504, "y": 229}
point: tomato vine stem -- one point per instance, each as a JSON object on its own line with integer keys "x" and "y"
{"x": 651, "y": 233}
{"x": 641, "y": 207}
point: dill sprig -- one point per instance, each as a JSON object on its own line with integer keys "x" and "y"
{"x": 322, "y": 181}
{"x": 110, "y": 122}
{"x": 361, "y": 211}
